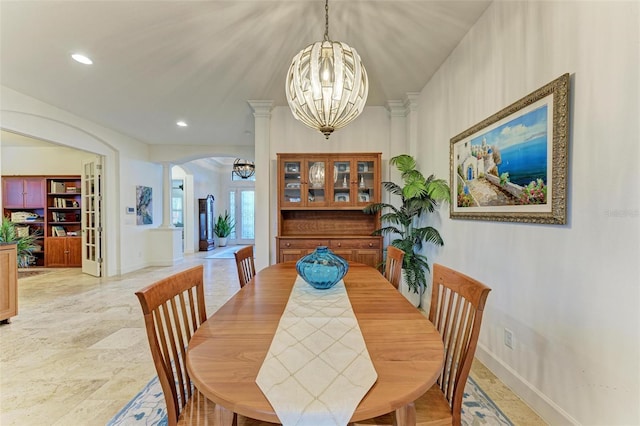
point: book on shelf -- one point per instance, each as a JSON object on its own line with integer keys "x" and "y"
{"x": 58, "y": 231}
{"x": 57, "y": 187}
{"x": 65, "y": 203}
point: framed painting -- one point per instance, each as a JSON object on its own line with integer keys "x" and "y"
{"x": 144, "y": 205}
{"x": 512, "y": 166}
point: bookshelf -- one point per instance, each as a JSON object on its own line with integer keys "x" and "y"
{"x": 24, "y": 203}
{"x": 63, "y": 225}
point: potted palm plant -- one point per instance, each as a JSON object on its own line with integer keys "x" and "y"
{"x": 26, "y": 244}
{"x": 418, "y": 196}
{"x": 223, "y": 227}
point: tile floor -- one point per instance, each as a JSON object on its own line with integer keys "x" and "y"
{"x": 77, "y": 352}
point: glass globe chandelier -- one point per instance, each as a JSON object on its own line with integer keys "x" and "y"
{"x": 327, "y": 84}
{"x": 244, "y": 168}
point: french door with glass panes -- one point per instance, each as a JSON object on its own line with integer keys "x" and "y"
{"x": 242, "y": 207}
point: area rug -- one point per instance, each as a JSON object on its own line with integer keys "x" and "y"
{"x": 148, "y": 408}
{"x": 224, "y": 252}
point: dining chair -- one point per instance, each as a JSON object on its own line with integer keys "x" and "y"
{"x": 174, "y": 308}
{"x": 245, "y": 264}
{"x": 457, "y": 305}
{"x": 393, "y": 265}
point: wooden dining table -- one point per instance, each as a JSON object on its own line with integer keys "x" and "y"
{"x": 227, "y": 351}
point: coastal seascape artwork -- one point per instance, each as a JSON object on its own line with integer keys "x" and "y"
{"x": 512, "y": 166}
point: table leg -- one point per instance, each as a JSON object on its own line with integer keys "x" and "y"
{"x": 224, "y": 417}
{"x": 406, "y": 416}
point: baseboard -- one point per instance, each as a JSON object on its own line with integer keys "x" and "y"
{"x": 549, "y": 411}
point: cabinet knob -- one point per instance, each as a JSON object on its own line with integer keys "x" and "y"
{"x": 370, "y": 244}
{"x": 288, "y": 244}
{"x": 339, "y": 244}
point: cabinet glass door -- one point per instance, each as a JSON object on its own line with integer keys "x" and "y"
{"x": 342, "y": 182}
{"x": 292, "y": 190}
{"x": 317, "y": 181}
{"x": 366, "y": 182}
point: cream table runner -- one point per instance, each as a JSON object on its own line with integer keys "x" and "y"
{"x": 317, "y": 369}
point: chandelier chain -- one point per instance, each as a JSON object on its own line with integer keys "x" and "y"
{"x": 326, "y": 20}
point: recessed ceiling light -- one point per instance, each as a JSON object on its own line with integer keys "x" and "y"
{"x": 181, "y": 123}
{"x": 82, "y": 59}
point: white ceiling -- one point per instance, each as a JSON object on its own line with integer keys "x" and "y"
{"x": 156, "y": 62}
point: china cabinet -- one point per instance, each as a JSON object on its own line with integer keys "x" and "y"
{"x": 320, "y": 201}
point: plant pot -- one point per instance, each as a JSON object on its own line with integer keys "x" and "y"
{"x": 222, "y": 241}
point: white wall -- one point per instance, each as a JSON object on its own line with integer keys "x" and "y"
{"x": 28, "y": 116}
{"x": 44, "y": 161}
{"x": 370, "y": 132}
{"x": 137, "y": 248}
{"x": 569, "y": 293}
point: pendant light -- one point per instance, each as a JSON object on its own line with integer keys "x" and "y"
{"x": 327, "y": 84}
{"x": 244, "y": 168}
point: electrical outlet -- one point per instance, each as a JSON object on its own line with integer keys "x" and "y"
{"x": 508, "y": 338}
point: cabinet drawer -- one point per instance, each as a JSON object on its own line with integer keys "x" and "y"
{"x": 301, "y": 244}
{"x": 365, "y": 243}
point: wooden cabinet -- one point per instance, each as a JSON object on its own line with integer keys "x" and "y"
{"x": 360, "y": 249}
{"x": 328, "y": 181}
{"x": 50, "y": 207}
{"x": 8, "y": 282}
{"x": 24, "y": 202}
{"x": 205, "y": 222}
{"x": 320, "y": 202}
{"x": 23, "y": 192}
{"x": 63, "y": 251}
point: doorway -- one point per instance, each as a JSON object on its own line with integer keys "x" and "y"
{"x": 242, "y": 205}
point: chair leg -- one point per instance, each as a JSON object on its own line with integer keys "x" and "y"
{"x": 224, "y": 417}
{"x": 406, "y": 416}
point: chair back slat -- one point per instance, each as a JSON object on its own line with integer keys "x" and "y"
{"x": 457, "y": 305}
{"x": 173, "y": 309}
{"x": 393, "y": 265}
{"x": 245, "y": 265}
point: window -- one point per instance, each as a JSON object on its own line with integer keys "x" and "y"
{"x": 242, "y": 205}
{"x": 177, "y": 202}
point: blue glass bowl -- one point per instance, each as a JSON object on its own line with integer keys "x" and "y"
{"x": 322, "y": 269}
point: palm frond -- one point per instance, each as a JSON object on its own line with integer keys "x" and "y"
{"x": 438, "y": 189}
{"x": 374, "y": 208}
{"x": 386, "y": 230}
{"x": 393, "y": 188}
{"x": 403, "y": 162}
{"x": 428, "y": 234}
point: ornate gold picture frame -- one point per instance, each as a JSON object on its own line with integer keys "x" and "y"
{"x": 512, "y": 166}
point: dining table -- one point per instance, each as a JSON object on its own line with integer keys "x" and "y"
{"x": 227, "y": 351}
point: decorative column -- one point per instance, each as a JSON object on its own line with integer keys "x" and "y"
{"x": 263, "y": 225}
{"x": 411, "y": 108}
{"x": 397, "y": 138}
{"x": 165, "y": 242}
{"x": 166, "y": 195}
